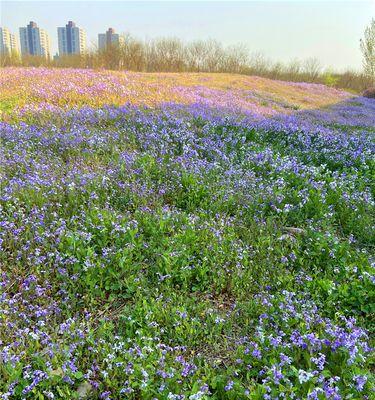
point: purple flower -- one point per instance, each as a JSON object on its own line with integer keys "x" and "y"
{"x": 229, "y": 386}
{"x": 360, "y": 382}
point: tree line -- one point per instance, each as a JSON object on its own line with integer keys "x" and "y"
{"x": 174, "y": 55}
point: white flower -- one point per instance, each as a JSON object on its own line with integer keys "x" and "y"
{"x": 304, "y": 376}
{"x": 105, "y": 374}
{"x": 197, "y": 396}
{"x": 34, "y": 335}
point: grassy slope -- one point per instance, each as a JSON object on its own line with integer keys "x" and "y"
{"x": 153, "y": 256}
{"x": 63, "y": 87}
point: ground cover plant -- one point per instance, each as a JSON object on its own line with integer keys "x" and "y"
{"x": 171, "y": 239}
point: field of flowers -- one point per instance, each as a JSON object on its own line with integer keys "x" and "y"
{"x": 184, "y": 237}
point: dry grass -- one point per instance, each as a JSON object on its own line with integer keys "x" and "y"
{"x": 30, "y": 88}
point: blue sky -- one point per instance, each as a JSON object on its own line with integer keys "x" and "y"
{"x": 282, "y": 30}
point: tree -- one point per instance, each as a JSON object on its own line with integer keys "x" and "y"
{"x": 312, "y": 69}
{"x": 368, "y": 50}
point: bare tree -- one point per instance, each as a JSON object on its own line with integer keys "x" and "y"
{"x": 196, "y": 53}
{"x": 235, "y": 59}
{"x": 367, "y": 45}
{"x": 214, "y": 56}
{"x": 293, "y": 69}
{"x": 10, "y": 58}
{"x": 259, "y": 64}
{"x": 312, "y": 69}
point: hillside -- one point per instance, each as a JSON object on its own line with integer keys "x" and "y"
{"x": 184, "y": 236}
{"x": 69, "y": 87}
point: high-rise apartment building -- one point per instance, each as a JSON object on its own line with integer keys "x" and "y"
{"x": 108, "y": 39}
{"x": 8, "y": 42}
{"x": 34, "y": 41}
{"x": 72, "y": 40}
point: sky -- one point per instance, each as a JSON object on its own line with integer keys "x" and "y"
{"x": 281, "y": 30}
